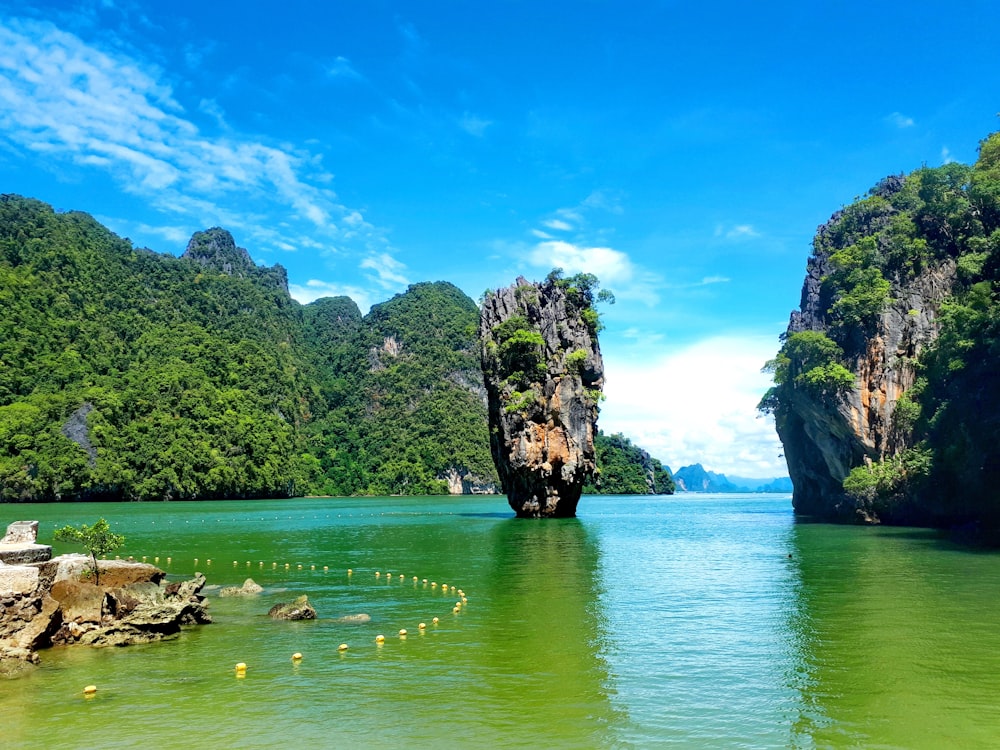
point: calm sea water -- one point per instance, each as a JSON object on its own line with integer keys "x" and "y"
{"x": 688, "y": 621}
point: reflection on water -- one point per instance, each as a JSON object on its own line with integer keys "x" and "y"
{"x": 899, "y": 639}
{"x": 691, "y": 621}
{"x": 546, "y": 654}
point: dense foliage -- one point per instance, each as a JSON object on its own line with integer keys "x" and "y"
{"x": 945, "y": 463}
{"x": 625, "y": 469}
{"x": 129, "y": 375}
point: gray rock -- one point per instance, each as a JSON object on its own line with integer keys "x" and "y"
{"x": 542, "y": 400}
{"x": 300, "y": 609}
{"x": 21, "y": 532}
{"x": 359, "y": 619}
{"x": 249, "y": 588}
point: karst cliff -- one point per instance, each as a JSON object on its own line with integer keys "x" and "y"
{"x": 885, "y": 396}
{"x": 543, "y": 373}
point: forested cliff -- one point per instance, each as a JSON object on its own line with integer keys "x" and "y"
{"x": 886, "y": 394}
{"x": 131, "y": 375}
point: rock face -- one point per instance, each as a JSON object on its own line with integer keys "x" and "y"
{"x": 53, "y": 603}
{"x": 300, "y": 609}
{"x": 543, "y": 373}
{"x": 824, "y": 438}
{"x": 216, "y": 250}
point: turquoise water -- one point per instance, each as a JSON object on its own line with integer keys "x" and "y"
{"x": 687, "y": 621}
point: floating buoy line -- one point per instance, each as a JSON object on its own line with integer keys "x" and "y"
{"x": 428, "y": 585}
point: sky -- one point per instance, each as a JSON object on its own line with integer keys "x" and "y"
{"x": 685, "y": 153}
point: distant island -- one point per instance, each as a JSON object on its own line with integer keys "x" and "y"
{"x": 695, "y": 478}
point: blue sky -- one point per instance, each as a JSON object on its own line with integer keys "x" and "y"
{"x": 684, "y": 152}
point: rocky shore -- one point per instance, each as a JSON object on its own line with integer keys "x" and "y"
{"x": 53, "y": 602}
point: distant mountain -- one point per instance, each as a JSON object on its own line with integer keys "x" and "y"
{"x": 696, "y": 478}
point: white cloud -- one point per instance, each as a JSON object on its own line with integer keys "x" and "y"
{"x": 697, "y": 405}
{"x": 900, "y": 120}
{"x": 388, "y": 271}
{"x": 736, "y": 232}
{"x": 474, "y": 125}
{"x": 714, "y": 280}
{"x": 541, "y": 235}
{"x": 558, "y": 224}
{"x": 946, "y": 157}
{"x": 341, "y": 68}
{"x": 610, "y": 266}
{"x": 75, "y": 103}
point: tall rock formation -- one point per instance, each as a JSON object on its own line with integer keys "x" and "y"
{"x": 882, "y": 398}
{"x": 543, "y": 373}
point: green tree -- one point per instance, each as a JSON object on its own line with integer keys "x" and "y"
{"x": 98, "y": 539}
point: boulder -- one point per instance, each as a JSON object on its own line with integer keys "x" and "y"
{"x": 21, "y": 532}
{"x": 249, "y": 588}
{"x": 300, "y": 609}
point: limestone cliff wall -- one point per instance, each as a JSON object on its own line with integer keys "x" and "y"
{"x": 824, "y": 439}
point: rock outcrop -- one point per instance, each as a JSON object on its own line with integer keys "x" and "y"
{"x": 300, "y": 609}
{"x": 53, "y": 603}
{"x": 826, "y": 435}
{"x": 216, "y": 250}
{"x": 249, "y": 588}
{"x": 19, "y": 547}
{"x": 544, "y": 374}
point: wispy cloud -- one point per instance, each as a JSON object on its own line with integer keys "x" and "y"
{"x": 342, "y": 68}
{"x": 474, "y": 125}
{"x": 558, "y": 224}
{"x": 900, "y": 120}
{"x": 388, "y": 272}
{"x": 946, "y": 157}
{"x": 74, "y": 103}
{"x": 736, "y": 232}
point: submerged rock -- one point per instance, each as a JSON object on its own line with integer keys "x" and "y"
{"x": 359, "y": 619}
{"x": 544, "y": 374}
{"x": 249, "y": 588}
{"x": 300, "y": 609}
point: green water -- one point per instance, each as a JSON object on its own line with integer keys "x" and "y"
{"x": 693, "y": 621}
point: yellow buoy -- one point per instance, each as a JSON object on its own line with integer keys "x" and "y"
{"x": 422, "y": 625}
{"x": 415, "y": 579}
{"x": 380, "y": 639}
{"x": 169, "y": 560}
{"x": 156, "y": 559}
{"x": 458, "y": 604}
{"x": 377, "y": 574}
{"x": 196, "y": 561}
{"x": 402, "y": 632}
{"x": 433, "y": 585}
{"x": 349, "y": 571}
{"x": 287, "y": 566}
{"x": 312, "y": 567}
{"x": 235, "y": 563}
{"x": 342, "y": 647}
{"x": 326, "y": 568}
{"x": 435, "y": 621}
{"x": 296, "y": 656}
{"x": 274, "y": 565}
{"x": 207, "y": 562}
{"x": 90, "y": 690}
{"x": 465, "y": 600}
{"x": 401, "y": 576}
{"x": 241, "y": 667}
{"x": 300, "y": 566}
{"x": 456, "y": 610}
{"x": 144, "y": 558}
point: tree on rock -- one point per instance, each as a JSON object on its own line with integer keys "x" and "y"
{"x": 98, "y": 539}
